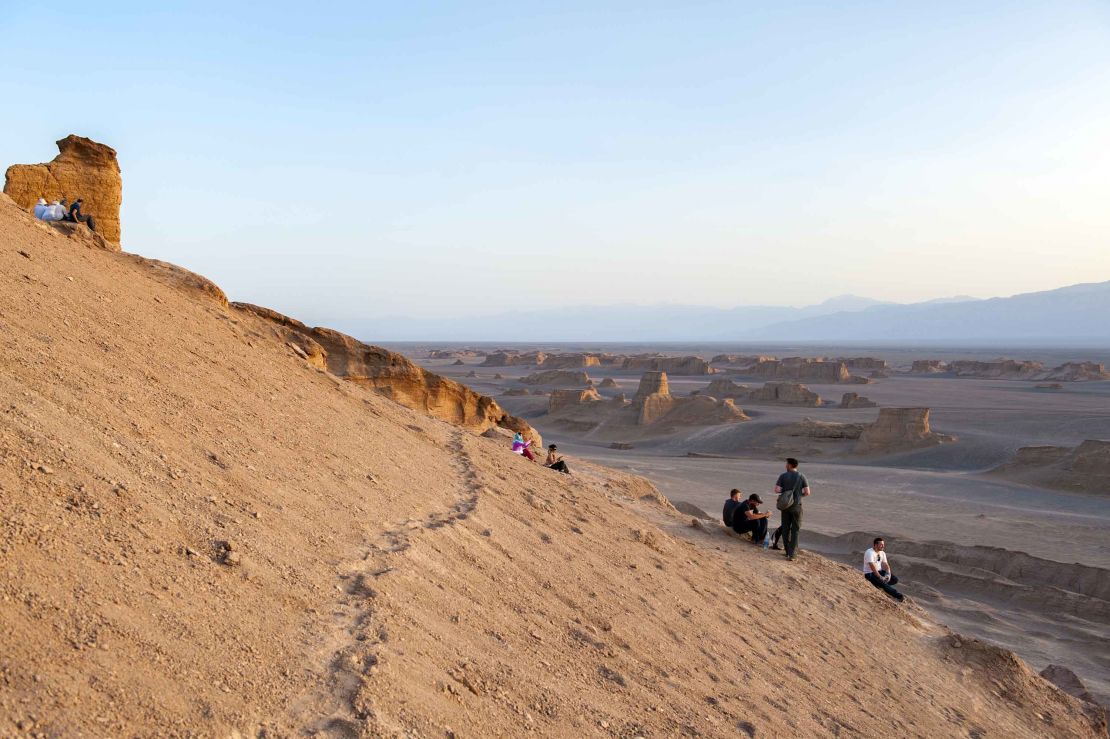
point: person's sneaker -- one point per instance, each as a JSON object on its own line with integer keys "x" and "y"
{"x": 790, "y": 558}
{"x": 776, "y": 547}
{"x": 899, "y": 597}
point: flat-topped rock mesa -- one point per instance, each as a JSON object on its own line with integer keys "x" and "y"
{"x": 1084, "y": 468}
{"x": 570, "y": 361}
{"x": 722, "y": 387}
{"x": 855, "y": 400}
{"x": 390, "y": 374}
{"x": 899, "y": 429}
{"x": 741, "y": 360}
{"x": 558, "y": 378}
{"x": 564, "y": 397}
{"x": 1007, "y": 369}
{"x": 805, "y": 370}
{"x": 83, "y": 169}
{"x": 928, "y": 366}
{"x": 674, "y": 365}
{"x": 783, "y": 393}
{"x": 513, "y": 359}
{"x": 1077, "y": 372}
{"x": 455, "y": 354}
{"x": 867, "y": 364}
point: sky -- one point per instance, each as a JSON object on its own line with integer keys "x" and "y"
{"x": 344, "y": 160}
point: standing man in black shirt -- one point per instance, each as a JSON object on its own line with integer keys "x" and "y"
{"x": 792, "y": 517}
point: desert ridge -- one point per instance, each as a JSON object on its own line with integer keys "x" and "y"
{"x": 212, "y": 525}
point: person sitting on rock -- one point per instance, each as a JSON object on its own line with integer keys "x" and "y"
{"x": 40, "y": 208}
{"x": 54, "y": 212}
{"x": 876, "y": 569}
{"x": 520, "y": 446}
{"x": 74, "y": 215}
{"x": 747, "y": 519}
{"x": 554, "y": 461}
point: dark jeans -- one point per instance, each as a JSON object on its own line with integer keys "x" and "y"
{"x": 87, "y": 220}
{"x": 791, "y": 527}
{"x": 758, "y": 527}
{"x": 887, "y": 587}
{"x": 560, "y": 466}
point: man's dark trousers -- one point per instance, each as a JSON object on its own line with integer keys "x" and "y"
{"x": 758, "y": 527}
{"x": 884, "y": 585}
{"x": 791, "y": 527}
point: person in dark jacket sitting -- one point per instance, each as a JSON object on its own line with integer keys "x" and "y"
{"x": 747, "y": 519}
{"x": 75, "y": 216}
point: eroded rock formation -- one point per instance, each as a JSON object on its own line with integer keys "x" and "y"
{"x": 806, "y": 370}
{"x": 570, "y": 361}
{"x": 928, "y": 366}
{"x": 722, "y": 387}
{"x": 565, "y": 397}
{"x": 564, "y": 378}
{"x": 1084, "y": 468}
{"x": 783, "y": 393}
{"x": 899, "y": 429}
{"x": 391, "y": 374}
{"x": 673, "y": 365}
{"x": 83, "y": 169}
{"x": 855, "y": 400}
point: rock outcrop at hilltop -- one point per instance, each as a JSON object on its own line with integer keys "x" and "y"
{"x": 673, "y": 365}
{"x": 390, "y": 374}
{"x": 652, "y": 383}
{"x": 855, "y": 400}
{"x": 558, "y": 378}
{"x": 805, "y": 370}
{"x": 1085, "y": 468}
{"x": 83, "y": 169}
{"x": 898, "y": 430}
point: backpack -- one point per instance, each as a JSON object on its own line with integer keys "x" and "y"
{"x": 790, "y": 498}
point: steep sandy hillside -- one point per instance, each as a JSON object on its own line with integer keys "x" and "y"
{"x": 202, "y": 533}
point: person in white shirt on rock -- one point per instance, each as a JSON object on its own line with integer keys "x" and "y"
{"x": 54, "y": 212}
{"x": 40, "y": 208}
{"x": 876, "y": 569}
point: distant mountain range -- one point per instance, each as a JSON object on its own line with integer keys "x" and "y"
{"x": 1070, "y": 314}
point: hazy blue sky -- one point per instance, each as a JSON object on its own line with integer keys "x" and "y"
{"x": 337, "y": 160}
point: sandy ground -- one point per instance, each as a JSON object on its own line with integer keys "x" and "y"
{"x": 937, "y": 496}
{"x": 203, "y": 535}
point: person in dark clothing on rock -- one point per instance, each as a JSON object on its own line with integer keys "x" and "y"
{"x": 75, "y": 216}
{"x": 747, "y": 518}
{"x": 792, "y": 516}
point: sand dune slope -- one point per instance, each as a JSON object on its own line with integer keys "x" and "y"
{"x": 204, "y": 534}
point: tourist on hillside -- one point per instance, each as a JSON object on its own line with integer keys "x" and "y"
{"x": 520, "y": 446}
{"x": 41, "y": 208}
{"x": 877, "y": 570}
{"x": 791, "y": 487}
{"x": 731, "y": 505}
{"x": 74, "y": 215}
{"x": 747, "y": 519}
{"x": 555, "y": 461}
{"x": 52, "y": 212}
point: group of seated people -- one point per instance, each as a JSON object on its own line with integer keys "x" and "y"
{"x": 62, "y": 210}
{"x": 554, "y": 461}
{"x": 744, "y": 517}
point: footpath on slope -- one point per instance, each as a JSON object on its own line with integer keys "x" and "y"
{"x": 202, "y": 533}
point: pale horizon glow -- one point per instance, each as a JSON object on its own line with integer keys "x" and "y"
{"x": 352, "y": 161}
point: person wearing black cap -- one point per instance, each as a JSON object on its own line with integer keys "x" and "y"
{"x": 554, "y": 461}
{"x": 747, "y": 518}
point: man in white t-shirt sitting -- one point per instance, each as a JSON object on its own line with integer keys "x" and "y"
{"x": 876, "y": 569}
